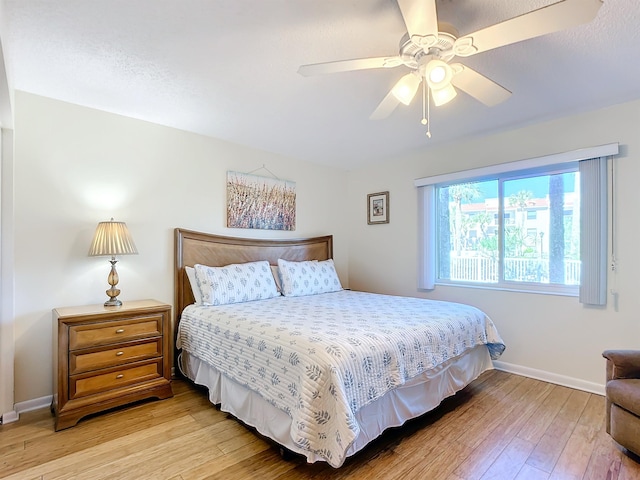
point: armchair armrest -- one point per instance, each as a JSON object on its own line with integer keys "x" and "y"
{"x": 622, "y": 363}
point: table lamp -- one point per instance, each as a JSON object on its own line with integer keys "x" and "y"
{"x": 111, "y": 239}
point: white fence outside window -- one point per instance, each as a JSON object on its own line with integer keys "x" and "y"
{"x": 485, "y": 270}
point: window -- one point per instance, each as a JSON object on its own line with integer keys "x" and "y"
{"x": 540, "y": 249}
{"x": 532, "y": 225}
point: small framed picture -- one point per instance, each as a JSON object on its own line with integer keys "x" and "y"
{"x": 378, "y": 208}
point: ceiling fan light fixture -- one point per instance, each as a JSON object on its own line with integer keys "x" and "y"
{"x": 438, "y": 74}
{"x": 443, "y": 95}
{"x": 406, "y": 88}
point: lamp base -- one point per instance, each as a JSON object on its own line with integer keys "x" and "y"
{"x": 113, "y": 302}
{"x": 113, "y": 292}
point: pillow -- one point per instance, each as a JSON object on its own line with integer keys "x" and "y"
{"x": 276, "y": 277}
{"x": 308, "y": 277}
{"x": 235, "y": 283}
{"x": 195, "y": 289}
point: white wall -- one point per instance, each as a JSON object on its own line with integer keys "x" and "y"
{"x": 76, "y": 166}
{"x": 550, "y": 334}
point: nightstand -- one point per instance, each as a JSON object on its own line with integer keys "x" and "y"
{"x": 105, "y": 357}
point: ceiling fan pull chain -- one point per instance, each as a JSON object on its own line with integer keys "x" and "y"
{"x": 427, "y": 95}
{"x": 424, "y": 95}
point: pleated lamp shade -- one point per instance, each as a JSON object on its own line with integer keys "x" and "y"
{"x": 112, "y": 238}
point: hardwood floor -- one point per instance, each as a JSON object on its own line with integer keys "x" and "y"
{"x": 502, "y": 426}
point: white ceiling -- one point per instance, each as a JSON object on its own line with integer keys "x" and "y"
{"x": 228, "y": 69}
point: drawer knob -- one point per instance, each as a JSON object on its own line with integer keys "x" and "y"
{"x": 119, "y": 353}
{"x": 119, "y": 376}
{"x": 120, "y": 330}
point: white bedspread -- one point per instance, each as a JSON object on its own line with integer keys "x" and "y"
{"x": 320, "y": 358}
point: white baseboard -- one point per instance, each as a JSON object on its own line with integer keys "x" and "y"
{"x": 9, "y": 417}
{"x": 35, "y": 404}
{"x": 563, "y": 380}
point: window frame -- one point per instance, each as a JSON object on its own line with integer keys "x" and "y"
{"x": 501, "y": 216}
{"x": 591, "y": 292}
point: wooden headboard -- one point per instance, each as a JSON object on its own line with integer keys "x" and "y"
{"x": 217, "y": 251}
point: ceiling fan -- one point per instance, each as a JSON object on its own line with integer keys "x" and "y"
{"x": 429, "y": 46}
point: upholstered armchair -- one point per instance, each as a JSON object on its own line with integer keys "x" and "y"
{"x": 623, "y": 397}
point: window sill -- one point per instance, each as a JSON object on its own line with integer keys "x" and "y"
{"x": 563, "y": 291}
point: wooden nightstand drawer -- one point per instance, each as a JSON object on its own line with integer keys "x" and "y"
{"x": 89, "y": 384}
{"x": 91, "y": 359}
{"x": 104, "y": 333}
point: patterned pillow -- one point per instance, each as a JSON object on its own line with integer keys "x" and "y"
{"x": 241, "y": 282}
{"x": 191, "y": 275}
{"x": 308, "y": 277}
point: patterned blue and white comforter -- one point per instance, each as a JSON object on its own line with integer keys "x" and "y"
{"x": 321, "y": 358}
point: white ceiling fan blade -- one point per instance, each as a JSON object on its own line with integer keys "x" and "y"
{"x": 349, "y": 65}
{"x": 549, "y": 19}
{"x": 386, "y": 107}
{"x": 421, "y": 19}
{"x": 478, "y": 86}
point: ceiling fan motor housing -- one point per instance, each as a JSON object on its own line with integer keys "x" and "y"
{"x": 411, "y": 52}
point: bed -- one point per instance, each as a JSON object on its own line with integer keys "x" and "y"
{"x": 321, "y": 374}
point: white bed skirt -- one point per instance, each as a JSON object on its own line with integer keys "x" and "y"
{"x": 416, "y": 397}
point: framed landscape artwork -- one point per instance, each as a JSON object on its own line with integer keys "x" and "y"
{"x": 378, "y": 208}
{"x": 260, "y": 202}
